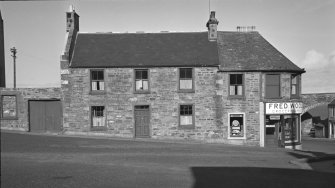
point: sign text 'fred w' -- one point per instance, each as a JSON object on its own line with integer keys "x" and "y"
{"x": 284, "y": 108}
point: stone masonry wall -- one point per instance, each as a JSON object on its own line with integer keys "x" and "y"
{"x": 23, "y": 95}
{"x": 119, "y": 100}
{"x": 249, "y": 105}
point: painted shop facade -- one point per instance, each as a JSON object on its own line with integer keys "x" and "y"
{"x": 215, "y": 86}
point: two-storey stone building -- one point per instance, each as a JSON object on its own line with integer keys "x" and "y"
{"x": 225, "y": 87}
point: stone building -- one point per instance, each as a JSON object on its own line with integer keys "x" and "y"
{"x": 215, "y": 86}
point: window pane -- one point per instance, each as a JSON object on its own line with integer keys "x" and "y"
{"x": 145, "y": 85}
{"x": 144, "y": 74}
{"x": 231, "y": 90}
{"x": 98, "y": 121}
{"x": 138, "y": 74}
{"x": 232, "y": 79}
{"x": 94, "y": 75}
{"x": 239, "y": 90}
{"x": 186, "y": 110}
{"x": 294, "y": 90}
{"x": 182, "y": 73}
{"x": 100, "y": 75}
{"x": 101, "y": 85}
{"x": 185, "y": 73}
{"x": 188, "y": 73}
{"x": 94, "y": 86}
{"x": 185, "y": 84}
{"x": 272, "y": 79}
{"x": 139, "y": 85}
{"x": 186, "y": 120}
{"x": 272, "y": 92}
{"x": 294, "y": 79}
{"x": 239, "y": 79}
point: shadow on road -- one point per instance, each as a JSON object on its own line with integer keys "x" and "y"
{"x": 318, "y": 161}
{"x": 260, "y": 177}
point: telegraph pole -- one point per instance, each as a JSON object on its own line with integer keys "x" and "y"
{"x": 13, "y": 50}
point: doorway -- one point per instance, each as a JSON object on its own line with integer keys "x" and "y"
{"x": 142, "y": 121}
{"x": 282, "y": 130}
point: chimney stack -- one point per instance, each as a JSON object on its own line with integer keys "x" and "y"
{"x": 72, "y": 19}
{"x": 212, "y": 24}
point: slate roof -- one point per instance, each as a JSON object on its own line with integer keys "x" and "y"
{"x": 249, "y": 51}
{"x": 234, "y": 51}
{"x": 103, "y": 50}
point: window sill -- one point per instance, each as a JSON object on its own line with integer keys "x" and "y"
{"x": 103, "y": 92}
{"x": 236, "y": 138}
{"x": 186, "y": 91}
{"x": 101, "y": 128}
{"x": 295, "y": 97}
{"x": 186, "y": 127}
{"x": 141, "y": 92}
{"x": 240, "y": 97}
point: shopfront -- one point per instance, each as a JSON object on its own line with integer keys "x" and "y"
{"x": 283, "y": 124}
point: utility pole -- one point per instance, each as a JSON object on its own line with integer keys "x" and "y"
{"x": 13, "y": 50}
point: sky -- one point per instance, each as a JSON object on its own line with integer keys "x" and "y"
{"x": 302, "y": 30}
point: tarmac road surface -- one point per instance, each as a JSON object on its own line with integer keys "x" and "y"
{"x": 58, "y": 161}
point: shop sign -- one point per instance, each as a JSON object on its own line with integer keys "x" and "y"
{"x": 284, "y": 108}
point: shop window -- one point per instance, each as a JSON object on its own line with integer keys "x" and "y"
{"x": 97, "y": 80}
{"x": 186, "y": 79}
{"x": 8, "y": 107}
{"x": 295, "y": 86}
{"x": 291, "y": 128}
{"x": 186, "y": 116}
{"x": 141, "y": 80}
{"x": 98, "y": 116}
{"x": 236, "y": 126}
{"x": 272, "y": 88}
{"x": 236, "y": 85}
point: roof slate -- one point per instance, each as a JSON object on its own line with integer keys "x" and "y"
{"x": 234, "y": 51}
{"x": 249, "y": 51}
{"x": 103, "y": 50}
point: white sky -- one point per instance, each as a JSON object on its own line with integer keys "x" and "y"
{"x": 303, "y": 30}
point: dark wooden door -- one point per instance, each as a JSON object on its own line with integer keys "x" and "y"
{"x": 45, "y": 116}
{"x": 142, "y": 121}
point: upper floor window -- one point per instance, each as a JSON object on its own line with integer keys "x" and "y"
{"x": 295, "y": 86}
{"x": 272, "y": 87}
{"x": 236, "y": 85}
{"x": 141, "y": 80}
{"x": 186, "y": 79}
{"x": 97, "y": 80}
{"x": 331, "y": 111}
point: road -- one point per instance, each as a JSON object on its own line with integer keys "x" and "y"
{"x": 56, "y": 161}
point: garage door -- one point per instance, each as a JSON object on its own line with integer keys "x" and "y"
{"x": 45, "y": 116}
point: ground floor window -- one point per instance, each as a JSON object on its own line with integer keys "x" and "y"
{"x": 98, "y": 116}
{"x": 236, "y": 128}
{"x": 186, "y": 114}
{"x": 8, "y": 107}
